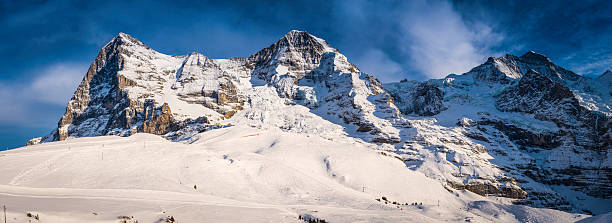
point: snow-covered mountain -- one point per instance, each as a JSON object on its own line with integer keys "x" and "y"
{"x": 546, "y": 129}
{"x": 520, "y": 129}
{"x": 131, "y": 88}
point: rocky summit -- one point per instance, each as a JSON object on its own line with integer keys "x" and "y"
{"x": 517, "y": 127}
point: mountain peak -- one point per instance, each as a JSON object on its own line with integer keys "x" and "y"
{"x": 536, "y": 58}
{"x": 303, "y": 39}
{"x": 122, "y": 34}
{"x": 294, "y": 46}
{"x": 501, "y": 69}
{"x": 295, "y": 31}
{"x": 606, "y": 76}
{"x": 124, "y": 39}
{"x": 298, "y": 33}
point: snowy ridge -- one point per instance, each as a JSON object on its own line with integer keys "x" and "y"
{"x": 510, "y": 67}
{"x": 606, "y": 77}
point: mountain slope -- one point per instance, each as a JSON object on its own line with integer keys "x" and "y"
{"x": 234, "y": 174}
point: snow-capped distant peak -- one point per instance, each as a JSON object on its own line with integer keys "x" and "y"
{"x": 509, "y": 67}
{"x": 606, "y": 76}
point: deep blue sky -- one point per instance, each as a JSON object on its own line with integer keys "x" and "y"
{"x": 48, "y": 45}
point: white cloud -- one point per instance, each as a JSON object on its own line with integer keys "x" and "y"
{"x": 431, "y": 36}
{"x": 439, "y": 42}
{"x": 377, "y": 63}
{"x": 56, "y": 83}
{"x": 593, "y": 64}
{"x": 28, "y": 102}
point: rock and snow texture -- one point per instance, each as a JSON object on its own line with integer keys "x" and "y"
{"x": 420, "y": 98}
{"x": 507, "y": 68}
{"x": 521, "y": 129}
{"x": 523, "y": 125}
{"x": 131, "y": 88}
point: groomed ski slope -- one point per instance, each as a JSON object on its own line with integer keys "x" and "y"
{"x": 241, "y": 174}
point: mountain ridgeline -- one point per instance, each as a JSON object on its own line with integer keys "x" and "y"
{"x": 517, "y": 127}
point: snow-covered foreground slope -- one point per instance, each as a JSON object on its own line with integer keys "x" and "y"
{"x": 234, "y": 174}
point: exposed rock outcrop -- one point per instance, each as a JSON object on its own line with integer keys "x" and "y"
{"x": 424, "y": 99}
{"x": 492, "y": 190}
{"x": 33, "y": 141}
{"x": 552, "y": 101}
{"x": 157, "y": 121}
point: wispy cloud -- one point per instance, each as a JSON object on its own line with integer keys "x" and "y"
{"x": 439, "y": 42}
{"x": 378, "y": 63}
{"x": 29, "y": 102}
{"x": 593, "y": 67}
{"x": 427, "y": 37}
{"x": 56, "y": 83}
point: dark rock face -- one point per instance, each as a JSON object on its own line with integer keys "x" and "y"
{"x": 427, "y": 100}
{"x": 535, "y": 58}
{"x": 534, "y": 91}
{"x": 424, "y": 99}
{"x": 552, "y": 101}
{"x": 606, "y": 77}
{"x": 523, "y": 136}
{"x": 101, "y": 76}
{"x": 579, "y": 129}
{"x": 488, "y": 189}
{"x": 543, "y": 65}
